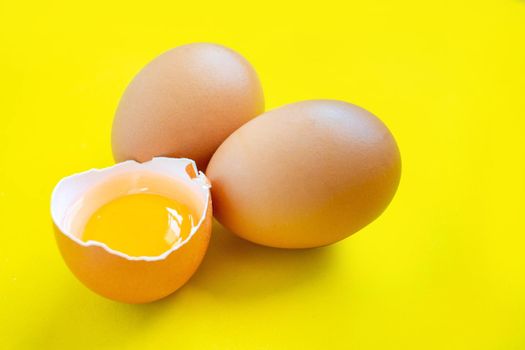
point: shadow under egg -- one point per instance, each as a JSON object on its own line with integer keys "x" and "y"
{"x": 234, "y": 268}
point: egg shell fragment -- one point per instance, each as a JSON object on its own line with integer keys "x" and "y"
{"x": 305, "y": 175}
{"x": 113, "y": 274}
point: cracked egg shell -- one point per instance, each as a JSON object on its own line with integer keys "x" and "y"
{"x": 114, "y": 274}
{"x": 304, "y": 175}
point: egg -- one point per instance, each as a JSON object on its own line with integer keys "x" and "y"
{"x": 304, "y": 175}
{"x": 185, "y": 103}
{"x": 116, "y": 274}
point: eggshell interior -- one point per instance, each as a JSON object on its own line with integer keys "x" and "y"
{"x": 77, "y": 197}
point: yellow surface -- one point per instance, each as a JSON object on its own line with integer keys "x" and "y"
{"x": 140, "y": 224}
{"x": 443, "y": 268}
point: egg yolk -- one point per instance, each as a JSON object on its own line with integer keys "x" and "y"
{"x": 140, "y": 224}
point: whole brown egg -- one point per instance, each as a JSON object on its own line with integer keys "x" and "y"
{"x": 304, "y": 175}
{"x": 184, "y": 104}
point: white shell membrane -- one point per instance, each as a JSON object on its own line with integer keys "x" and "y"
{"x": 75, "y": 198}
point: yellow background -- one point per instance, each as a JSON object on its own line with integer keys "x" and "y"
{"x": 443, "y": 268}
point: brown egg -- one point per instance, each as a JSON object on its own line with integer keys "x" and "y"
{"x": 185, "y": 103}
{"x": 304, "y": 175}
{"x": 116, "y": 274}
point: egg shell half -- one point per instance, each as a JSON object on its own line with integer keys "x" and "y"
{"x": 185, "y": 103}
{"x": 113, "y": 274}
{"x": 305, "y": 175}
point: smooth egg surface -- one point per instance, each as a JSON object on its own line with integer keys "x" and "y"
{"x": 305, "y": 175}
{"x": 184, "y": 103}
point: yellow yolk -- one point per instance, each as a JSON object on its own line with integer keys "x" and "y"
{"x": 141, "y": 224}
